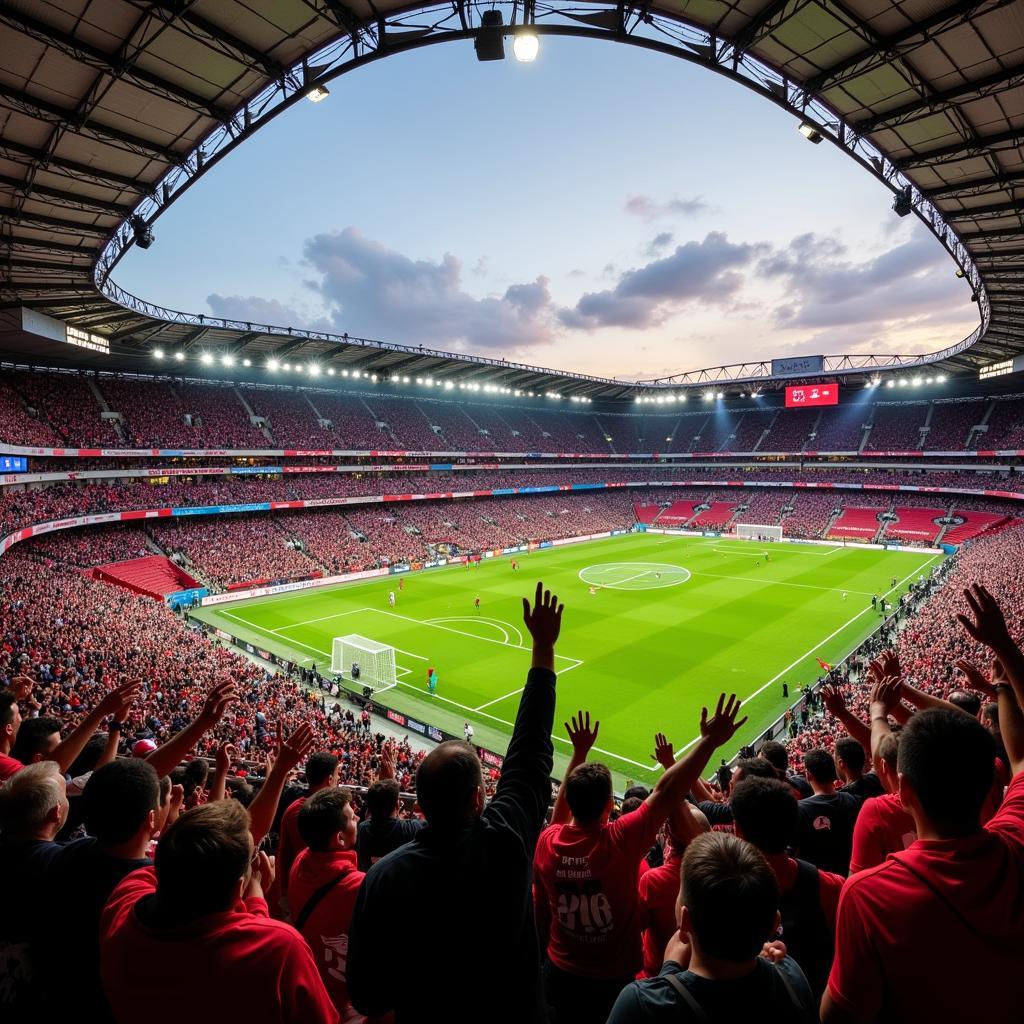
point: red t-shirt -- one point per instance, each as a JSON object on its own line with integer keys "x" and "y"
{"x": 326, "y": 929}
{"x": 8, "y": 767}
{"x": 659, "y": 890}
{"x": 883, "y": 827}
{"x": 236, "y": 965}
{"x": 941, "y": 904}
{"x": 586, "y": 882}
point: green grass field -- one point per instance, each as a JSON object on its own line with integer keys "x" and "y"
{"x": 676, "y": 620}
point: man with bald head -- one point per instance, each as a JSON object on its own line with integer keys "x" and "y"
{"x": 465, "y": 879}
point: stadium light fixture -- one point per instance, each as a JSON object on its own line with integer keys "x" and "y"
{"x": 903, "y": 382}
{"x": 330, "y": 371}
{"x": 286, "y": 367}
{"x": 929, "y": 380}
{"x": 490, "y": 37}
{"x": 721, "y": 394}
{"x": 405, "y": 380}
{"x": 373, "y": 377}
{"x": 526, "y": 45}
{"x": 142, "y": 232}
{"x": 247, "y": 362}
{"x": 158, "y": 353}
{"x": 227, "y": 360}
{"x": 314, "y": 370}
{"x": 318, "y": 94}
{"x": 299, "y": 368}
{"x": 273, "y": 365}
{"x": 904, "y": 202}
{"x": 344, "y": 373}
{"x": 890, "y": 383}
{"x": 941, "y": 379}
{"x": 916, "y": 382}
{"x": 683, "y": 398}
{"x": 179, "y": 356}
{"x": 708, "y": 396}
{"x": 810, "y": 131}
{"x": 206, "y": 359}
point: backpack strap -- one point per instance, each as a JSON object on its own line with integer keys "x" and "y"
{"x": 314, "y": 901}
{"x": 687, "y": 997}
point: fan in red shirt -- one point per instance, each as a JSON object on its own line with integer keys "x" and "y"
{"x": 322, "y": 772}
{"x": 192, "y": 939}
{"x": 585, "y": 871}
{"x": 956, "y": 893}
{"x": 323, "y": 886}
{"x": 659, "y": 887}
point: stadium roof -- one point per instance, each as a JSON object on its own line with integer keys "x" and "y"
{"x": 113, "y": 108}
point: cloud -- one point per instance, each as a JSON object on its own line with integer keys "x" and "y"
{"x": 376, "y": 292}
{"x": 650, "y": 209}
{"x": 660, "y": 241}
{"x": 707, "y": 272}
{"x": 252, "y": 309}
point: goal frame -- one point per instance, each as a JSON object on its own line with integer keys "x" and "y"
{"x": 377, "y": 668}
{"x": 758, "y": 531}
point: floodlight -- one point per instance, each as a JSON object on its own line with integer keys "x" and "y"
{"x": 708, "y": 396}
{"x": 890, "y": 383}
{"x": 490, "y": 37}
{"x": 272, "y": 364}
{"x": 158, "y": 353}
{"x": 903, "y": 203}
{"x": 525, "y": 45}
{"x": 227, "y": 360}
{"x": 206, "y": 359}
{"x": 811, "y": 132}
{"x": 180, "y": 356}
{"x": 318, "y": 94}
{"x": 941, "y": 379}
{"x": 903, "y": 382}
{"x": 916, "y": 382}
{"x": 330, "y": 371}
{"x": 314, "y": 370}
{"x": 143, "y": 233}
{"x": 720, "y": 395}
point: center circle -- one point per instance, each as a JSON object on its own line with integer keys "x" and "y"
{"x": 634, "y": 575}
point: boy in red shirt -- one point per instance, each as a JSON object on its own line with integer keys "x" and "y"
{"x": 192, "y": 939}
{"x": 323, "y": 886}
{"x": 585, "y": 877}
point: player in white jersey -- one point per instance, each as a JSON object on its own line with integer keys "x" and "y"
{"x": 391, "y": 598}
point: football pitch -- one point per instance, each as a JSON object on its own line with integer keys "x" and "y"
{"x": 674, "y": 621}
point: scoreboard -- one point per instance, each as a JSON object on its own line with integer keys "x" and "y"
{"x": 801, "y": 395}
{"x": 13, "y": 464}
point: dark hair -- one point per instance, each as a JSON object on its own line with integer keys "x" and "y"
{"x": 382, "y": 798}
{"x": 851, "y": 753}
{"x": 776, "y": 755}
{"x": 201, "y": 857}
{"x": 7, "y": 705}
{"x": 587, "y": 791}
{"x": 322, "y": 816}
{"x": 819, "y": 766}
{"x": 32, "y": 737}
{"x": 991, "y": 712}
{"x": 631, "y": 804}
{"x": 91, "y": 753}
{"x": 319, "y": 768}
{"x": 757, "y": 768}
{"x": 638, "y": 791}
{"x": 948, "y": 758}
{"x": 731, "y": 895}
{"x": 117, "y": 798}
{"x": 195, "y": 775}
{"x": 446, "y": 781}
{"x": 966, "y": 701}
{"x": 765, "y": 812}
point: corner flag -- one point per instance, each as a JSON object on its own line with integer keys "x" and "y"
{"x": 824, "y": 664}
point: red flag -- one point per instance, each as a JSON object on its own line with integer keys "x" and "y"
{"x": 824, "y": 664}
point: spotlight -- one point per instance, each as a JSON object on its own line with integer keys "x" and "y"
{"x": 903, "y": 382}
{"x": 272, "y": 364}
{"x": 286, "y": 367}
{"x": 708, "y": 396}
{"x": 158, "y": 353}
{"x": 143, "y": 233}
{"x": 929, "y": 380}
{"x": 682, "y": 398}
{"x": 405, "y": 380}
{"x": 318, "y": 94}
{"x": 206, "y": 359}
{"x": 916, "y": 382}
{"x": 490, "y": 39}
{"x": 811, "y": 132}
{"x": 314, "y": 370}
{"x": 227, "y": 360}
{"x": 720, "y": 395}
{"x": 330, "y": 371}
{"x": 525, "y": 45}
{"x": 941, "y": 379}
{"x": 299, "y": 368}
{"x": 247, "y": 362}
{"x": 344, "y": 373}
{"x": 890, "y": 383}
{"x": 903, "y": 203}
{"x": 179, "y": 356}
{"x": 960, "y": 273}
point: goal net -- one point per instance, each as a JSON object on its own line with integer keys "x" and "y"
{"x": 364, "y": 661}
{"x": 752, "y": 531}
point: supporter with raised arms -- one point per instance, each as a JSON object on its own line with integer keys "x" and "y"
{"x": 585, "y": 875}
{"x": 467, "y": 873}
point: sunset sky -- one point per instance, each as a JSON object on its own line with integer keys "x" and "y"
{"x": 604, "y": 209}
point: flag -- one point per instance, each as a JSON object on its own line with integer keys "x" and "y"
{"x": 824, "y": 664}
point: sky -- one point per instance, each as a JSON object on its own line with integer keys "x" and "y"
{"x": 604, "y": 209}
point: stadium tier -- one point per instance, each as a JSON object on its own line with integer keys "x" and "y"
{"x": 857, "y": 522}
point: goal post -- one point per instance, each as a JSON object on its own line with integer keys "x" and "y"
{"x": 364, "y": 661}
{"x": 754, "y": 531}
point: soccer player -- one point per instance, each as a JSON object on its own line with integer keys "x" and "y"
{"x": 476, "y": 604}
{"x": 844, "y": 595}
{"x": 593, "y": 590}
{"x": 467, "y": 730}
{"x": 391, "y": 598}
{"x": 432, "y": 682}
{"x": 401, "y": 583}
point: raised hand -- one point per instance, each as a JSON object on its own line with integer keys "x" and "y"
{"x": 722, "y": 726}
{"x": 975, "y": 678}
{"x": 835, "y": 703}
{"x": 262, "y": 876}
{"x": 118, "y": 702}
{"x": 885, "y": 695}
{"x": 664, "y": 752}
{"x": 544, "y": 619}
{"x": 292, "y": 750}
{"x": 217, "y": 701}
{"x": 989, "y": 625}
{"x": 21, "y": 687}
{"x": 581, "y": 735}
{"x": 223, "y": 759}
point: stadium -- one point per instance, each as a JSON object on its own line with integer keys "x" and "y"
{"x": 284, "y": 666}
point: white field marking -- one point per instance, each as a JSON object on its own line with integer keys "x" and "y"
{"x": 819, "y": 645}
{"x": 500, "y": 624}
{"x": 593, "y": 575}
{"x": 519, "y": 689}
{"x": 781, "y": 583}
{"x": 722, "y": 549}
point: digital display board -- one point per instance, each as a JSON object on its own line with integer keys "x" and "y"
{"x": 13, "y": 464}
{"x": 799, "y": 396}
